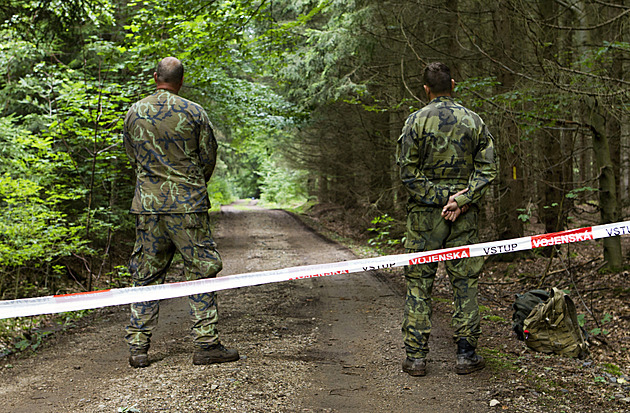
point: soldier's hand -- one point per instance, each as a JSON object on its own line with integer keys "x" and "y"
{"x": 451, "y": 210}
{"x": 451, "y": 204}
{"x": 451, "y": 215}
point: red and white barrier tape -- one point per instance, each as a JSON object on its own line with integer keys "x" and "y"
{"x": 97, "y": 299}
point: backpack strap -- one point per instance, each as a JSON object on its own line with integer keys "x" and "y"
{"x": 571, "y": 313}
{"x": 552, "y": 327}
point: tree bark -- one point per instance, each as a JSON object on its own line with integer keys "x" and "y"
{"x": 552, "y": 209}
{"x": 511, "y": 170}
{"x": 607, "y": 182}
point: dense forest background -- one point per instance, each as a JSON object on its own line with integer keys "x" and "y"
{"x": 309, "y": 98}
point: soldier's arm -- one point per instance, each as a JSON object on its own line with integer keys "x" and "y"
{"x": 422, "y": 190}
{"x": 127, "y": 140}
{"x": 207, "y": 147}
{"x": 485, "y": 169}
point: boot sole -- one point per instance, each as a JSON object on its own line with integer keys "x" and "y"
{"x": 415, "y": 373}
{"x": 202, "y": 360}
{"x": 408, "y": 368}
{"x": 470, "y": 369}
{"x": 138, "y": 363}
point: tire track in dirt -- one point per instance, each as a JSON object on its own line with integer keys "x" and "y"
{"x": 329, "y": 344}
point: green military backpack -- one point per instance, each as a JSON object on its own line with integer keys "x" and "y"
{"x": 523, "y": 306}
{"x": 552, "y": 327}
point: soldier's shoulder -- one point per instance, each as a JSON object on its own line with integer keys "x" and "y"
{"x": 135, "y": 107}
{"x": 421, "y": 112}
{"x": 193, "y": 107}
{"x": 465, "y": 111}
{"x": 150, "y": 98}
{"x": 428, "y": 111}
{"x": 187, "y": 102}
{"x": 461, "y": 107}
{"x": 147, "y": 100}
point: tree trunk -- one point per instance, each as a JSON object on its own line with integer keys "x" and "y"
{"x": 607, "y": 182}
{"x": 602, "y": 124}
{"x": 552, "y": 209}
{"x": 511, "y": 170}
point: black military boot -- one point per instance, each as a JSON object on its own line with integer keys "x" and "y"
{"x": 214, "y": 354}
{"x": 138, "y": 357}
{"x": 415, "y": 367}
{"x": 467, "y": 360}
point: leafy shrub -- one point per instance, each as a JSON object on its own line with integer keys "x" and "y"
{"x": 34, "y": 232}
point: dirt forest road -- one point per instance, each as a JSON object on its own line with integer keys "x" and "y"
{"x": 329, "y": 344}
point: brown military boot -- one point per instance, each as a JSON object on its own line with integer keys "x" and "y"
{"x": 138, "y": 357}
{"x": 415, "y": 367}
{"x": 215, "y": 354}
{"x": 467, "y": 360}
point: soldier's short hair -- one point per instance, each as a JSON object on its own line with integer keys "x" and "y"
{"x": 170, "y": 70}
{"x": 437, "y": 76}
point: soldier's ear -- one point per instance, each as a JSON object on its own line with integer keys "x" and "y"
{"x": 452, "y": 85}
{"x": 179, "y": 85}
{"x": 427, "y": 90}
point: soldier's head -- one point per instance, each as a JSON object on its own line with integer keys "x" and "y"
{"x": 169, "y": 74}
{"x": 437, "y": 80}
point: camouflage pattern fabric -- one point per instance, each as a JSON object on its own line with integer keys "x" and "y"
{"x": 430, "y": 231}
{"x": 443, "y": 149}
{"x": 158, "y": 237}
{"x": 172, "y": 147}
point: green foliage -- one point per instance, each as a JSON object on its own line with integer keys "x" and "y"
{"x": 87, "y": 126}
{"x": 54, "y": 19}
{"x": 29, "y": 333}
{"x": 31, "y": 342}
{"x": 575, "y": 192}
{"x": 606, "y": 319}
{"x": 216, "y": 32}
{"x": 472, "y": 89}
{"x": 65, "y": 182}
{"x": 321, "y": 67}
{"x": 381, "y": 232}
{"x": 63, "y": 168}
{"x": 220, "y": 192}
{"x": 119, "y": 277}
{"x": 227, "y": 49}
{"x": 494, "y": 318}
{"x": 612, "y": 368}
{"x": 525, "y": 214}
{"x": 283, "y": 186}
{"x": 34, "y": 230}
{"x": 20, "y": 334}
{"x": 490, "y": 317}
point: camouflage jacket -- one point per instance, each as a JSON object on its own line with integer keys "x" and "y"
{"x": 171, "y": 145}
{"x": 443, "y": 149}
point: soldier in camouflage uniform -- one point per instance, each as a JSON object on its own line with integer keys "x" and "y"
{"x": 172, "y": 148}
{"x": 446, "y": 160}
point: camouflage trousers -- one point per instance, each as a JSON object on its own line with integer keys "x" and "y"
{"x": 426, "y": 231}
{"x": 158, "y": 237}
